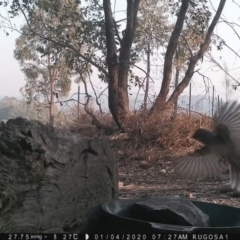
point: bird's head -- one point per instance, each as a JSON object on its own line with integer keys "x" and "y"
{"x": 202, "y": 135}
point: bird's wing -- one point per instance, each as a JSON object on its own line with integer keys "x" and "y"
{"x": 229, "y": 115}
{"x": 201, "y": 163}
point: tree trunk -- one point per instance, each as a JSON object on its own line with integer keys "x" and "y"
{"x": 52, "y": 76}
{"x": 177, "y": 72}
{"x": 195, "y": 58}
{"x": 118, "y": 68}
{"x": 176, "y": 84}
{"x": 172, "y": 45}
{"x": 51, "y": 103}
{"x": 162, "y": 97}
{"x": 49, "y": 178}
{"x": 147, "y": 77}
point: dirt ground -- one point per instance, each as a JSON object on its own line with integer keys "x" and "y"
{"x": 141, "y": 178}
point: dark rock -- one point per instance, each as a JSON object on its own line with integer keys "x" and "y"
{"x": 49, "y": 178}
{"x": 170, "y": 210}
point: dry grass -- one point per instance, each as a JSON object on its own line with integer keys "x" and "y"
{"x": 147, "y": 151}
{"x": 146, "y": 137}
{"x": 161, "y": 134}
{"x": 155, "y": 143}
{"x": 166, "y": 130}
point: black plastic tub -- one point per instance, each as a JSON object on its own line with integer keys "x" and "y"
{"x": 119, "y": 217}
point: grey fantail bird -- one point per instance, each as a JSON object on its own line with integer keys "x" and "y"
{"x": 221, "y": 148}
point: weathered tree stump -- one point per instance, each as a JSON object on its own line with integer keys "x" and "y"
{"x": 49, "y": 178}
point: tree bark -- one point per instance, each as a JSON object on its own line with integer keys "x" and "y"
{"x": 177, "y": 72}
{"x": 112, "y": 61}
{"x": 172, "y": 45}
{"x": 194, "y": 59}
{"x": 51, "y": 103}
{"x": 176, "y": 84}
{"x": 52, "y": 77}
{"x": 118, "y": 68}
{"x": 147, "y": 77}
{"x": 49, "y": 178}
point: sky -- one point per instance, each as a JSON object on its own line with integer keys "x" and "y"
{"x": 12, "y": 79}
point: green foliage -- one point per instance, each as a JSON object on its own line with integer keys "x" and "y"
{"x": 154, "y": 29}
{"x": 66, "y": 24}
{"x": 194, "y": 31}
{"x": 153, "y": 25}
{"x": 39, "y": 68}
{"x": 77, "y": 29}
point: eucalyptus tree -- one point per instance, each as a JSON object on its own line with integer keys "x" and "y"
{"x": 47, "y": 67}
{"x": 47, "y": 76}
{"x": 94, "y": 25}
{"x": 192, "y": 36}
{"x": 198, "y": 15}
{"x": 111, "y": 49}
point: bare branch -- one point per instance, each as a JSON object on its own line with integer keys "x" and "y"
{"x": 137, "y": 97}
{"x": 236, "y": 3}
{"x": 224, "y": 43}
{"x": 231, "y": 24}
{"x": 222, "y": 68}
{"x": 97, "y": 97}
{"x": 205, "y": 77}
{"x": 143, "y": 71}
{"x": 88, "y": 111}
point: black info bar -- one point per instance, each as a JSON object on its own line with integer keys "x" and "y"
{"x": 121, "y": 236}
